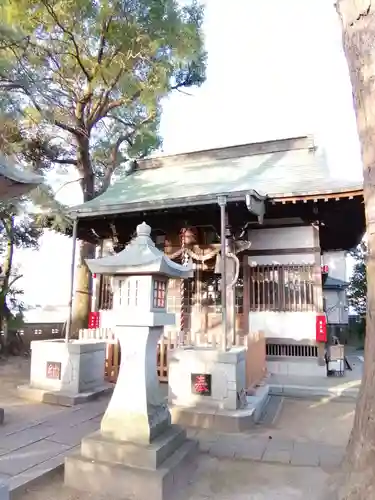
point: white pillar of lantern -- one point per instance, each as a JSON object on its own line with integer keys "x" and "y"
{"x": 137, "y": 451}
{"x": 137, "y": 411}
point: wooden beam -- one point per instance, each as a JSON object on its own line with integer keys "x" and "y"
{"x": 314, "y": 197}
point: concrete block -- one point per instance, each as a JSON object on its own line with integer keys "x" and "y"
{"x": 215, "y": 420}
{"x": 279, "y": 456}
{"x": 296, "y": 367}
{"x": 258, "y": 401}
{"x": 4, "y": 491}
{"x": 69, "y": 367}
{"x": 123, "y": 482}
{"x": 251, "y": 448}
{"x": 227, "y": 371}
{"x": 62, "y": 398}
{"x": 97, "y": 447}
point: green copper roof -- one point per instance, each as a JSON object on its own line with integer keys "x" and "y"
{"x": 200, "y": 177}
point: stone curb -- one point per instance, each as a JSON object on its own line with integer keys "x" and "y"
{"x": 302, "y": 391}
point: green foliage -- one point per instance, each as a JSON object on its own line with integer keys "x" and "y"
{"x": 16, "y": 232}
{"x": 357, "y": 290}
{"x": 87, "y": 78}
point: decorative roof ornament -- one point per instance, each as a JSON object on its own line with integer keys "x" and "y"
{"x": 140, "y": 256}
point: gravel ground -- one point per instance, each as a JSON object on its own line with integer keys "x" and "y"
{"x": 215, "y": 480}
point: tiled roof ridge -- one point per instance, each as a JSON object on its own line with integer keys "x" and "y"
{"x": 230, "y": 152}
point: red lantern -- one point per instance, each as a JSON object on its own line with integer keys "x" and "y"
{"x": 321, "y": 328}
{"x": 94, "y": 275}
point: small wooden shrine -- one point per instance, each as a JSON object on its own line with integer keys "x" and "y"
{"x": 282, "y": 209}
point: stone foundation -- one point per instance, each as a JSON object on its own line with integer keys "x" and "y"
{"x": 125, "y": 470}
{"x": 226, "y": 408}
{"x": 296, "y": 367}
{"x": 227, "y": 371}
{"x": 66, "y": 373}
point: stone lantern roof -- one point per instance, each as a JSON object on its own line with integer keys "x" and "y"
{"x": 140, "y": 256}
{"x": 15, "y": 182}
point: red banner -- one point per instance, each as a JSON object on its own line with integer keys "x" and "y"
{"x": 94, "y": 319}
{"x": 321, "y": 328}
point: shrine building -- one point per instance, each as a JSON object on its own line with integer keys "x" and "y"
{"x": 284, "y": 212}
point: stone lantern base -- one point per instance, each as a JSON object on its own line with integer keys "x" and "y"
{"x": 137, "y": 454}
{"x": 66, "y": 373}
{"x": 157, "y": 471}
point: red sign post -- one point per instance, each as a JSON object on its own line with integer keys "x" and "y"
{"x": 321, "y": 328}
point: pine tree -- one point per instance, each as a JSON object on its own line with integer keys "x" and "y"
{"x": 91, "y": 77}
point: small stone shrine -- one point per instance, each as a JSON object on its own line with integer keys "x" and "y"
{"x": 137, "y": 454}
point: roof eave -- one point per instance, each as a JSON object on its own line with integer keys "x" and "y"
{"x": 211, "y": 199}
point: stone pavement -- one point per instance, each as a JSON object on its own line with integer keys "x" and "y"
{"x": 31, "y": 449}
{"x": 263, "y": 448}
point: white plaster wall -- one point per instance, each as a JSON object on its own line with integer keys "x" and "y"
{"x": 336, "y": 262}
{"x": 298, "y": 326}
{"x": 336, "y": 307}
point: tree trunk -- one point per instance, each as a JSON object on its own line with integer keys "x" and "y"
{"x": 83, "y": 290}
{"x": 83, "y": 283}
{"x": 357, "y": 477}
{"x": 7, "y": 269}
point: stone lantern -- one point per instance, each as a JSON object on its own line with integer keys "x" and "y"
{"x": 137, "y": 453}
{"x": 15, "y": 182}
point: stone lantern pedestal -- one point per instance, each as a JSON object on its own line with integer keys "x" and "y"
{"x": 137, "y": 454}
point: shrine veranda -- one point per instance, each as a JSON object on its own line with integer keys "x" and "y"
{"x": 286, "y": 215}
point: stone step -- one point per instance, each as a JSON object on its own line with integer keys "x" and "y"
{"x": 98, "y": 447}
{"x": 271, "y": 410}
{"x": 133, "y": 483}
{"x": 231, "y": 421}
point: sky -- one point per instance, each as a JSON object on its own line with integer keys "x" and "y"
{"x": 275, "y": 69}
